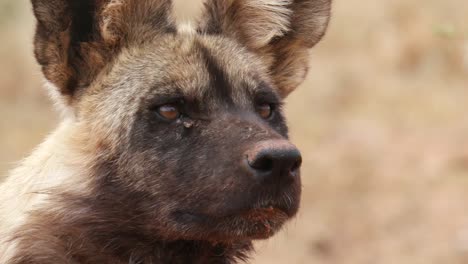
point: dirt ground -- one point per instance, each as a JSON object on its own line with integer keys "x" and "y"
{"x": 381, "y": 120}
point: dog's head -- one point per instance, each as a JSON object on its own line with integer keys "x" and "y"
{"x": 188, "y": 121}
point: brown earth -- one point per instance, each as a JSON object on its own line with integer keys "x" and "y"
{"x": 381, "y": 121}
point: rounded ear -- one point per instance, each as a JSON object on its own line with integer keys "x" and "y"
{"x": 280, "y": 31}
{"x": 75, "y": 39}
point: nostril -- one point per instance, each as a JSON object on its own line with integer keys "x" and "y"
{"x": 296, "y": 165}
{"x": 263, "y": 163}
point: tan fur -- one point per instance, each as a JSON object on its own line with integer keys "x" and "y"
{"x": 60, "y": 162}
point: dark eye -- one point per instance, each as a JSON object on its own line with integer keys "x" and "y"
{"x": 265, "y": 110}
{"x": 169, "y": 111}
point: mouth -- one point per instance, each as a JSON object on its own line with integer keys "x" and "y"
{"x": 258, "y": 222}
{"x": 263, "y": 213}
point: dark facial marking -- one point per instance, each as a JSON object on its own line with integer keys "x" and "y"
{"x": 82, "y": 20}
{"x": 219, "y": 82}
{"x": 213, "y": 25}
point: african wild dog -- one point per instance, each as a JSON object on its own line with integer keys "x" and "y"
{"x": 173, "y": 147}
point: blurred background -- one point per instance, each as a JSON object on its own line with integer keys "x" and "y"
{"x": 382, "y": 122}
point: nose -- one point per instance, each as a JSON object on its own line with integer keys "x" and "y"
{"x": 274, "y": 160}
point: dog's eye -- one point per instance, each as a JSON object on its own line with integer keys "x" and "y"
{"x": 169, "y": 111}
{"x": 265, "y": 110}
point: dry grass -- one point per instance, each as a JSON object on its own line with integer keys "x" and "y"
{"x": 381, "y": 122}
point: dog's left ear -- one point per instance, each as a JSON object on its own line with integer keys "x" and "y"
{"x": 280, "y": 31}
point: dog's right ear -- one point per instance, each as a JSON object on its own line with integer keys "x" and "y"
{"x": 76, "y": 39}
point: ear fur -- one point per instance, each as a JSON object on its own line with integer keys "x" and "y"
{"x": 75, "y": 39}
{"x": 279, "y": 31}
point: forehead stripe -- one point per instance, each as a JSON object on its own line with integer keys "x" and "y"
{"x": 219, "y": 81}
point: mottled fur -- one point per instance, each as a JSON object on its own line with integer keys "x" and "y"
{"x": 116, "y": 183}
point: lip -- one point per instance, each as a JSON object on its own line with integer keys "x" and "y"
{"x": 257, "y": 213}
{"x": 262, "y": 210}
{"x": 279, "y": 205}
{"x": 251, "y": 215}
{"x": 264, "y": 214}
